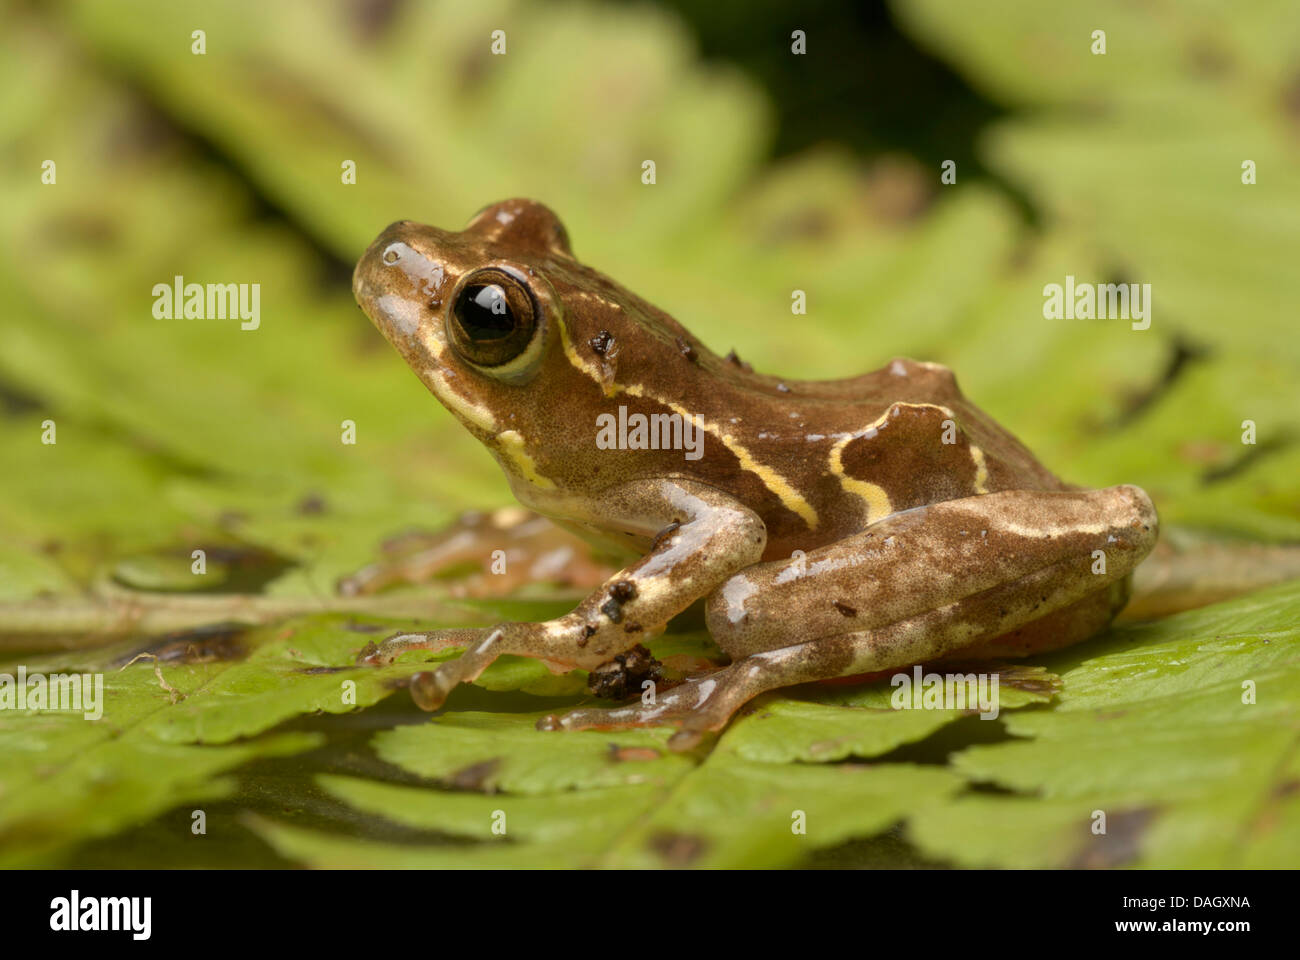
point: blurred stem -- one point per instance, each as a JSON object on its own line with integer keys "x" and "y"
{"x": 111, "y": 612}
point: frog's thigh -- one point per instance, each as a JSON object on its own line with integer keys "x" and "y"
{"x": 961, "y": 572}
{"x": 707, "y": 703}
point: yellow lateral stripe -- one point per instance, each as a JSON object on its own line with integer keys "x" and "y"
{"x": 790, "y": 498}
{"x": 771, "y": 479}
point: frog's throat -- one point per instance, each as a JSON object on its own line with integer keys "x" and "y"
{"x": 779, "y": 485}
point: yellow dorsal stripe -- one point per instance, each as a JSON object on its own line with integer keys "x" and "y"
{"x": 778, "y": 484}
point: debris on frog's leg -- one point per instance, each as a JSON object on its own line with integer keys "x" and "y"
{"x": 734, "y": 358}
{"x": 624, "y": 676}
{"x": 698, "y": 707}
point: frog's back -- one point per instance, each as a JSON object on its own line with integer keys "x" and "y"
{"x": 822, "y": 459}
{"x": 818, "y": 460}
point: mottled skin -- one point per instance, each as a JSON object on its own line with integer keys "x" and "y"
{"x": 836, "y": 527}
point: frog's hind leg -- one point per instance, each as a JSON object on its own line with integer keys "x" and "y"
{"x": 708, "y": 703}
{"x": 913, "y": 588}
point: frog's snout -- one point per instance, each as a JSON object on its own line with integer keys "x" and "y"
{"x": 371, "y": 276}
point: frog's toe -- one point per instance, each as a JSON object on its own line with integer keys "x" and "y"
{"x": 430, "y": 688}
{"x": 385, "y": 652}
{"x": 696, "y": 707}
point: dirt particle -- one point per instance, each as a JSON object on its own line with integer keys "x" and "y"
{"x": 477, "y": 776}
{"x": 1287, "y": 788}
{"x": 312, "y": 505}
{"x": 734, "y": 359}
{"x": 1119, "y": 846}
{"x": 623, "y": 676}
{"x": 631, "y": 754}
{"x": 678, "y": 849}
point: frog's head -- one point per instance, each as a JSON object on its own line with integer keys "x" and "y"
{"x": 476, "y": 315}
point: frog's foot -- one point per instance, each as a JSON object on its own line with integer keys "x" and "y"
{"x": 696, "y": 707}
{"x": 492, "y": 554}
{"x": 481, "y": 645}
{"x": 382, "y": 654}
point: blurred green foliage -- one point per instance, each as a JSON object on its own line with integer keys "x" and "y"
{"x": 226, "y": 167}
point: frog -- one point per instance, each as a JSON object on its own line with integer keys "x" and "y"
{"x": 829, "y": 528}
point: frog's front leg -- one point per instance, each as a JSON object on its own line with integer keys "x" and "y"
{"x": 917, "y": 586}
{"x": 699, "y": 537}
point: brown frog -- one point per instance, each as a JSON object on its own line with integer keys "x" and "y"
{"x": 834, "y": 528}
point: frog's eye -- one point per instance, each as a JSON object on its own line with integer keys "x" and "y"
{"x": 493, "y": 318}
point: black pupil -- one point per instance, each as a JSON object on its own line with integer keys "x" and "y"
{"x": 485, "y": 313}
